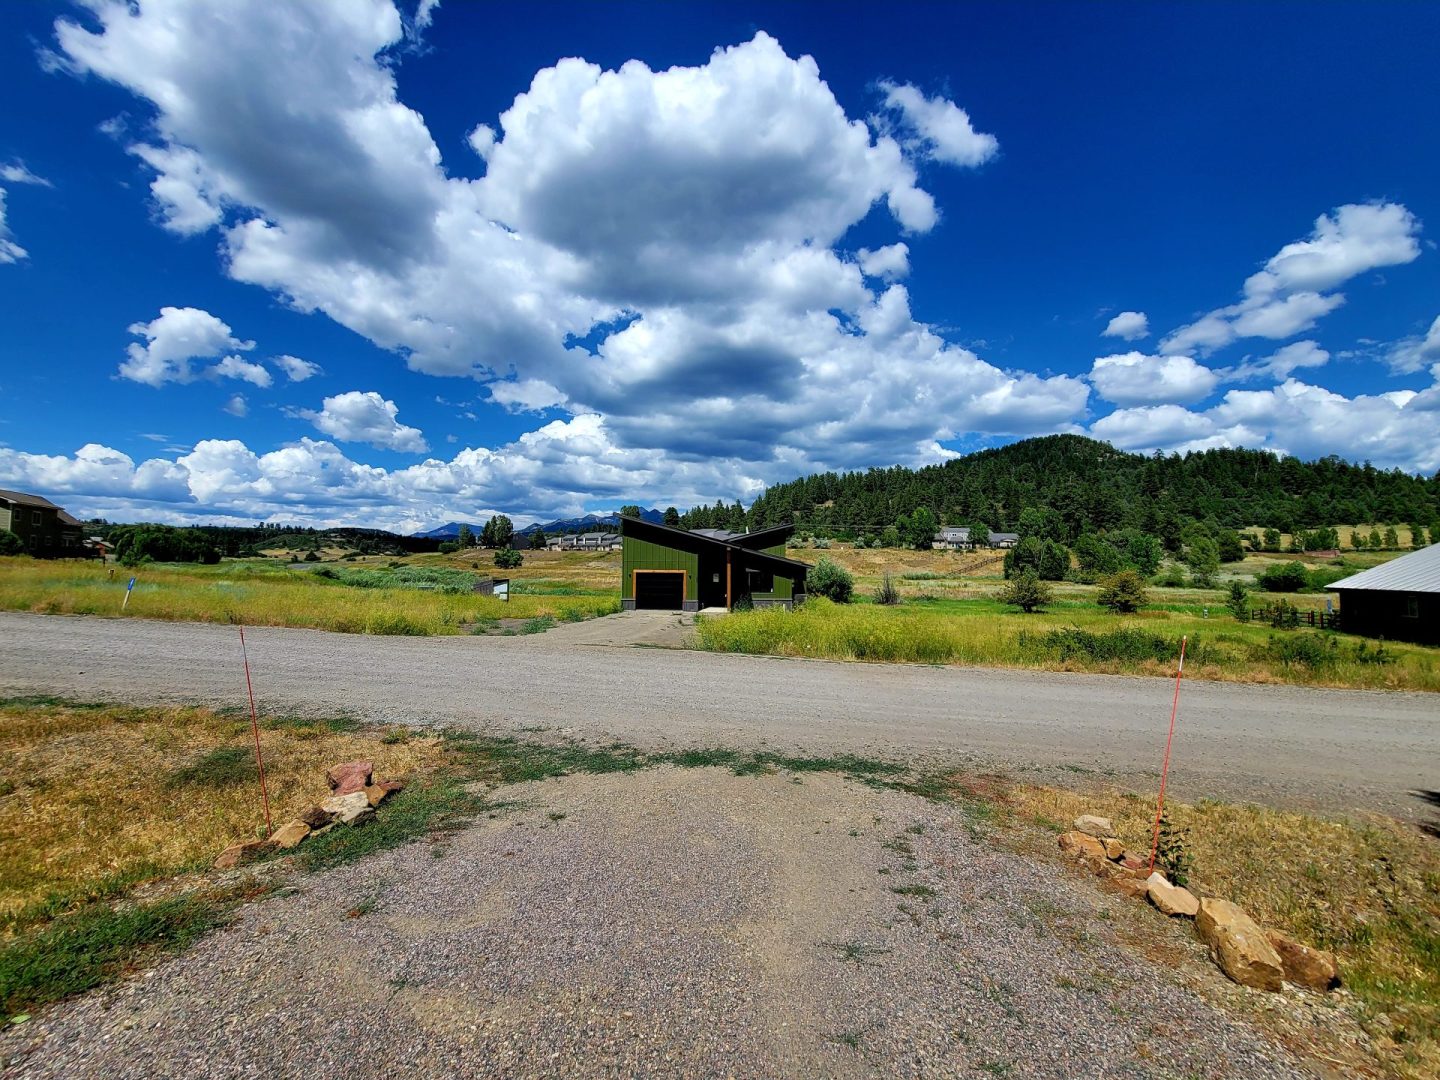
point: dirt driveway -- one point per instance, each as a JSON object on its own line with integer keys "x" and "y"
{"x": 674, "y": 923}
{"x": 657, "y": 629}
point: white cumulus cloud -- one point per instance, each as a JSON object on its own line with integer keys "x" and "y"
{"x": 937, "y": 128}
{"x": 172, "y": 340}
{"x": 236, "y": 367}
{"x": 1414, "y": 353}
{"x": 1134, "y": 378}
{"x": 1288, "y": 295}
{"x": 296, "y": 369}
{"x": 890, "y": 263}
{"x": 1392, "y": 430}
{"x": 236, "y": 405}
{"x": 365, "y": 417}
{"x": 1129, "y": 325}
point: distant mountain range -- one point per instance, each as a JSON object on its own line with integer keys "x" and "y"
{"x": 589, "y": 523}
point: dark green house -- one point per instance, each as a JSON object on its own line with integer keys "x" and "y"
{"x": 675, "y": 570}
{"x": 44, "y": 528}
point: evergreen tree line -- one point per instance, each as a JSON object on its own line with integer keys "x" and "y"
{"x": 1063, "y": 487}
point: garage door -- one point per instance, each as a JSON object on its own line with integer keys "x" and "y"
{"x": 665, "y": 591}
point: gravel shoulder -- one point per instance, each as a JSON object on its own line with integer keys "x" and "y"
{"x": 1326, "y": 750}
{"x": 678, "y": 923}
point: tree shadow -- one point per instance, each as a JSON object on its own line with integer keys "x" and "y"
{"x": 1433, "y": 798}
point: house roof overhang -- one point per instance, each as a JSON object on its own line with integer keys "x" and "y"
{"x": 686, "y": 540}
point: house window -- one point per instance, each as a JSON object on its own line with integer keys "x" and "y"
{"x": 1412, "y": 607}
{"x": 36, "y": 517}
{"x": 760, "y": 581}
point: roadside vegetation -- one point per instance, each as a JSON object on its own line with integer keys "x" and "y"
{"x": 1071, "y": 632}
{"x": 423, "y": 596}
{"x": 110, "y": 816}
{"x": 1367, "y": 890}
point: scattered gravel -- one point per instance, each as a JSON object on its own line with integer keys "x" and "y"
{"x": 676, "y": 923}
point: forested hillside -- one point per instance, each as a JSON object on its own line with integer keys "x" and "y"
{"x": 1086, "y": 486}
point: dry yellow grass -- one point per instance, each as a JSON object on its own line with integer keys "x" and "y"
{"x": 91, "y": 793}
{"x": 1368, "y": 891}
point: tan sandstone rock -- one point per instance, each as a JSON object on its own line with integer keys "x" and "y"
{"x": 1238, "y": 945}
{"x": 1304, "y": 966}
{"x": 1170, "y": 899}
{"x": 349, "y": 776}
{"x": 288, "y": 836}
{"x": 377, "y": 793}
{"x": 351, "y": 809}
{"x": 1080, "y": 846}
{"x": 1094, "y": 826}
{"x": 240, "y": 854}
{"x": 1114, "y": 849}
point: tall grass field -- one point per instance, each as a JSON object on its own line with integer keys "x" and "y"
{"x": 369, "y": 600}
{"x": 1073, "y": 636}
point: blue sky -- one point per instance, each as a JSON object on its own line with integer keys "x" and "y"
{"x": 357, "y": 264}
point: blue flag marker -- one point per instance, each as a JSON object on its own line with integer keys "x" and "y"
{"x": 127, "y": 594}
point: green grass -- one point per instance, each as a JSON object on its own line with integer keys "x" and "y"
{"x": 405, "y": 600}
{"x": 1075, "y": 634}
{"x": 97, "y": 943}
{"x": 220, "y": 767}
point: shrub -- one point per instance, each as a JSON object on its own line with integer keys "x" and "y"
{"x": 830, "y": 580}
{"x": 1123, "y": 593}
{"x": 1302, "y": 650}
{"x": 312, "y": 556}
{"x": 1125, "y": 645}
{"x": 887, "y": 594}
{"x": 10, "y": 544}
{"x": 448, "y": 547}
{"x": 1238, "y": 601}
{"x": 1285, "y": 578}
{"x": 508, "y": 558}
{"x": 1171, "y": 578}
{"x": 1026, "y": 591}
{"x": 1173, "y": 853}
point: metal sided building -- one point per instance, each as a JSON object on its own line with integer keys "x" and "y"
{"x": 675, "y": 570}
{"x": 1399, "y": 600}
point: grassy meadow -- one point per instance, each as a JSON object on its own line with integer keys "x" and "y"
{"x": 949, "y": 615}
{"x": 367, "y": 596}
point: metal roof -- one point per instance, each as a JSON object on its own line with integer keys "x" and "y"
{"x": 1419, "y": 571}
{"x": 717, "y": 534}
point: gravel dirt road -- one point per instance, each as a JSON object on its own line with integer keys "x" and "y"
{"x": 679, "y": 923}
{"x": 1322, "y": 749}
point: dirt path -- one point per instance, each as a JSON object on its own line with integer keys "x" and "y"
{"x": 675, "y": 923}
{"x": 1325, "y": 749}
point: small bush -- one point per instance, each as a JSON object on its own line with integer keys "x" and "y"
{"x": 1123, "y": 645}
{"x": 10, "y": 544}
{"x": 1026, "y": 591}
{"x": 1283, "y": 578}
{"x": 887, "y": 594}
{"x": 830, "y": 580}
{"x": 1173, "y": 854}
{"x": 1238, "y": 601}
{"x": 1303, "y": 650}
{"x": 508, "y": 558}
{"x": 448, "y": 547}
{"x": 1123, "y": 593}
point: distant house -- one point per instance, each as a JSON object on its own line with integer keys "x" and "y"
{"x": 1399, "y": 599}
{"x": 680, "y": 570}
{"x": 952, "y": 539}
{"x": 44, "y": 528}
{"x": 957, "y": 538}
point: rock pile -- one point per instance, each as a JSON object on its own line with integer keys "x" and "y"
{"x": 1244, "y": 951}
{"x": 354, "y": 796}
